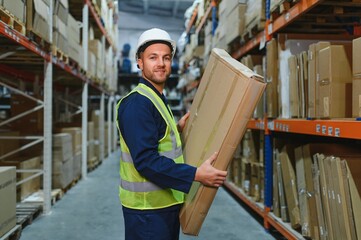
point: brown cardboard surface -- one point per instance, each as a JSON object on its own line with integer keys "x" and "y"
{"x": 356, "y": 57}
{"x": 356, "y": 201}
{"x": 24, "y": 163}
{"x": 324, "y": 194}
{"x": 232, "y": 92}
{"x": 356, "y": 96}
{"x": 345, "y": 196}
{"x": 312, "y": 77}
{"x": 303, "y": 193}
{"x": 332, "y": 199}
{"x": 339, "y": 198}
{"x": 303, "y": 83}
{"x": 319, "y": 206}
{"x": 276, "y": 204}
{"x": 272, "y": 79}
{"x": 7, "y": 199}
{"x": 17, "y": 8}
{"x": 294, "y": 90}
{"x": 310, "y": 188}
{"x": 282, "y": 193}
{"x": 347, "y": 191}
{"x": 334, "y": 83}
{"x": 289, "y": 179}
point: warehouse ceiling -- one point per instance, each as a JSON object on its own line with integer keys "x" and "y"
{"x": 166, "y": 8}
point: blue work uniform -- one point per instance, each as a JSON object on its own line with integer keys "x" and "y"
{"x": 142, "y": 127}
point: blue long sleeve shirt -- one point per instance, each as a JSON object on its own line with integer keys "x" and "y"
{"x": 142, "y": 127}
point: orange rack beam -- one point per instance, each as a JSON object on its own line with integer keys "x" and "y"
{"x": 99, "y": 23}
{"x": 23, "y": 41}
{"x": 192, "y": 20}
{"x": 257, "y": 124}
{"x": 297, "y": 10}
{"x": 283, "y": 20}
{"x": 330, "y": 128}
{"x": 204, "y": 18}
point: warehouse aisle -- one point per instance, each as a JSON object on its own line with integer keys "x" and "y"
{"x": 91, "y": 211}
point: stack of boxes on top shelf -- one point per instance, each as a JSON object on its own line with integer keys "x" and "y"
{"x": 33, "y": 14}
{"x": 312, "y": 79}
{"x": 101, "y": 61}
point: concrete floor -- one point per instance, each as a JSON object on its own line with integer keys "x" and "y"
{"x": 91, "y": 211}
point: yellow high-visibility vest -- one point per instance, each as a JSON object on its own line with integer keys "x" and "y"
{"x": 135, "y": 191}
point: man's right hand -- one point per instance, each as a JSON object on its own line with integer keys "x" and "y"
{"x": 208, "y": 175}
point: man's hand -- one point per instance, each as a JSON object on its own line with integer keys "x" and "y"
{"x": 182, "y": 122}
{"x": 208, "y": 175}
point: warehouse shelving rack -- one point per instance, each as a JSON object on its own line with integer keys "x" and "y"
{"x": 340, "y": 128}
{"x": 334, "y": 128}
{"x": 44, "y": 58}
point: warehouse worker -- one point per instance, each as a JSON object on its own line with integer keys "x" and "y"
{"x": 153, "y": 175}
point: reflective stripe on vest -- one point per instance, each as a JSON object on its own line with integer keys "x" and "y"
{"x": 139, "y": 186}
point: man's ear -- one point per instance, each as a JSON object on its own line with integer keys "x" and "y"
{"x": 140, "y": 64}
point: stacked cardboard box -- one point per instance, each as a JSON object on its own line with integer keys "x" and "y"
{"x": 255, "y": 15}
{"x": 7, "y": 199}
{"x": 335, "y": 83}
{"x": 76, "y": 135}
{"x": 91, "y": 158}
{"x": 233, "y": 100}
{"x": 98, "y": 49}
{"x": 25, "y": 163}
{"x": 60, "y": 23}
{"x": 272, "y": 80}
{"x": 63, "y": 161}
{"x": 356, "y": 80}
{"x": 37, "y": 18}
{"x": 96, "y": 118}
{"x": 75, "y": 49}
{"x": 15, "y": 7}
{"x": 235, "y": 22}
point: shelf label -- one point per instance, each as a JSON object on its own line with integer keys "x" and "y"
{"x": 287, "y": 16}
{"x": 337, "y": 132}
{"x": 330, "y": 131}
{"x": 318, "y": 128}
{"x": 270, "y": 28}
{"x": 324, "y": 129}
{"x": 11, "y": 34}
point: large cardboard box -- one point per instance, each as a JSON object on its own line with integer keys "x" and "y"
{"x": 272, "y": 79}
{"x": 232, "y": 101}
{"x": 312, "y": 77}
{"x": 16, "y": 7}
{"x": 289, "y": 180}
{"x": 25, "y": 163}
{"x": 235, "y": 23}
{"x": 356, "y": 58}
{"x": 7, "y": 199}
{"x": 335, "y": 83}
{"x": 37, "y": 18}
{"x": 356, "y": 81}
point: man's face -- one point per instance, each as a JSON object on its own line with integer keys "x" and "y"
{"x": 155, "y": 63}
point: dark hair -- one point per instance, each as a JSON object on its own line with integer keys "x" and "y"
{"x": 147, "y": 44}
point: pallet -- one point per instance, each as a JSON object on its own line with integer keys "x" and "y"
{"x": 281, "y": 7}
{"x": 257, "y": 25}
{"x": 71, "y": 185}
{"x": 38, "y": 39}
{"x": 26, "y": 213}
{"x": 38, "y": 197}
{"x": 59, "y": 54}
{"x": 93, "y": 164}
{"x": 13, "y": 234}
{"x": 12, "y": 21}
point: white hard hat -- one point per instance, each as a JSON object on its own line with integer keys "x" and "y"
{"x": 151, "y": 36}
